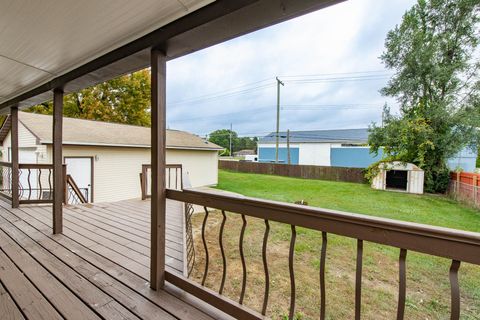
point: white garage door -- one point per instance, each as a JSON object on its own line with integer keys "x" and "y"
{"x": 81, "y": 171}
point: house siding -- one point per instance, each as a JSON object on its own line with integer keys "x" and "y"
{"x": 354, "y": 157}
{"x": 267, "y": 154}
{"x": 25, "y": 140}
{"x": 116, "y": 170}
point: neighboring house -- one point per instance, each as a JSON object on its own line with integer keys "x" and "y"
{"x": 336, "y": 148}
{"x": 339, "y": 148}
{"x": 465, "y": 160}
{"x": 106, "y": 157}
{"x": 245, "y": 152}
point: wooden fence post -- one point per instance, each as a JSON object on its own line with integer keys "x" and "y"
{"x": 474, "y": 189}
{"x": 457, "y": 185}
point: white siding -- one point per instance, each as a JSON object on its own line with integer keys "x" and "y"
{"x": 25, "y": 140}
{"x": 116, "y": 170}
{"x": 315, "y": 154}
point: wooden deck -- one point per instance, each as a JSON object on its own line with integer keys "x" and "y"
{"x": 97, "y": 269}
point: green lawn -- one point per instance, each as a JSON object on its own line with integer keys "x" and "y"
{"x": 428, "y": 288}
{"x": 353, "y": 197}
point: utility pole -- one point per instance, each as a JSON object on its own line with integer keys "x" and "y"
{"x": 231, "y": 128}
{"x": 278, "y": 118}
{"x": 288, "y": 147}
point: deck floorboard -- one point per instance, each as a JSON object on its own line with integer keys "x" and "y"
{"x": 98, "y": 268}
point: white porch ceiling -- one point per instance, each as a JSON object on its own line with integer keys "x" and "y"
{"x": 42, "y": 39}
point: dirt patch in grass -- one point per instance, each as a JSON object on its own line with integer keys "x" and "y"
{"x": 428, "y": 288}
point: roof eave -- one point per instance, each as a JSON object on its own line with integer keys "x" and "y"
{"x": 217, "y": 22}
{"x": 89, "y": 144}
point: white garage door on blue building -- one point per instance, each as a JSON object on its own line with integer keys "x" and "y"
{"x": 336, "y": 148}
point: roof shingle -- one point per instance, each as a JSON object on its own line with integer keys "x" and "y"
{"x": 97, "y": 133}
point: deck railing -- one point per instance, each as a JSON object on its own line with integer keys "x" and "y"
{"x": 35, "y": 184}
{"x": 459, "y": 246}
{"x": 6, "y": 180}
{"x": 173, "y": 175}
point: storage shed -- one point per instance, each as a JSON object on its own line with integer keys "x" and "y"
{"x": 399, "y": 176}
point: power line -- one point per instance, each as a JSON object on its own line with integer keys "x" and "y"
{"x": 228, "y": 92}
{"x": 303, "y": 79}
{"x": 287, "y": 108}
{"x": 337, "y": 73}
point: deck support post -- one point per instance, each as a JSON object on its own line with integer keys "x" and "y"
{"x": 58, "y": 178}
{"x": 14, "y": 158}
{"x": 158, "y": 199}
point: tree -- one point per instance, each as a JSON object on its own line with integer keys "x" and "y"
{"x": 436, "y": 83}
{"x": 125, "y": 99}
{"x": 221, "y": 137}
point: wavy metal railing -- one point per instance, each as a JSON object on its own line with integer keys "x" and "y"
{"x": 189, "y": 245}
{"x": 6, "y": 180}
{"x": 447, "y": 243}
{"x": 35, "y": 183}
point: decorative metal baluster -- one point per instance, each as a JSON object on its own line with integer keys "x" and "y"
{"x": 358, "y": 282}
{"x": 242, "y": 257}
{"x": 455, "y": 290}
{"x": 20, "y": 187}
{"x": 9, "y": 173}
{"x": 205, "y": 246}
{"x": 292, "y": 273}
{"x": 323, "y": 258}
{"x": 40, "y": 183}
{"x": 402, "y": 288}
{"x": 265, "y": 267}
{"x": 189, "y": 238}
{"x": 50, "y": 184}
{"x": 224, "y": 259}
{"x": 29, "y": 184}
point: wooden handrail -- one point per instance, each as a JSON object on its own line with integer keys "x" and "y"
{"x": 459, "y": 246}
{"x": 75, "y": 189}
{"x": 5, "y": 164}
{"x": 438, "y": 241}
{"x": 35, "y": 166}
{"x": 177, "y": 184}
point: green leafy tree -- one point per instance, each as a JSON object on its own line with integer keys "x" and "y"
{"x": 125, "y": 99}
{"x": 436, "y": 82}
{"x": 221, "y": 137}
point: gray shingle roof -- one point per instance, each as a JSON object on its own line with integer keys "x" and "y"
{"x": 359, "y": 136}
{"x": 97, "y": 133}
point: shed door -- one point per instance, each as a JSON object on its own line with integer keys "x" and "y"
{"x": 397, "y": 179}
{"x": 81, "y": 171}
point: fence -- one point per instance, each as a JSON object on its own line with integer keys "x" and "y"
{"x": 464, "y": 186}
{"x": 298, "y": 171}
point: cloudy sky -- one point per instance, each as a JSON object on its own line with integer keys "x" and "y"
{"x": 328, "y": 61}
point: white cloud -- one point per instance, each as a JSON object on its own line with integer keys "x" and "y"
{"x": 347, "y": 37}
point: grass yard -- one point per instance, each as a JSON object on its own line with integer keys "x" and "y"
{"x": 428, "y": 288}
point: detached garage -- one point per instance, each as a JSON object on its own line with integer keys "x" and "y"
{"x": 105, "y": 159}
